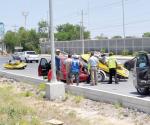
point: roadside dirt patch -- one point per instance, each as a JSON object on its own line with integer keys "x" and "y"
{"x": 74, "y": 110}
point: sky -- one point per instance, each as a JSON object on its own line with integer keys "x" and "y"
{"x": 100, "y": 16}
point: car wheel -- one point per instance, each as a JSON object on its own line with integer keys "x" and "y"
{"x": 143, "y": 91}
{"x": 100, "y": 76}
{"x": 37, "y": 61}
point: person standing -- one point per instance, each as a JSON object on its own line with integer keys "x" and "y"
{"x": 103, "y": 58}
{"x": 75, "y": 69}
{"x": 68, "y": 69}
{"x": 93, "y": 62}
{"x": 57, "y": 61}
{"x": 112, "y": 65}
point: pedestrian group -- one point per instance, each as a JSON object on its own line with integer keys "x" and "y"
{"x": 73, "y": 66}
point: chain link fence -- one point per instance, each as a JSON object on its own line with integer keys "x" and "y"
{"x": 130, "y": 45}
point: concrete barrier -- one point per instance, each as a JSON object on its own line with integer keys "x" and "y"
{"x": 140, "y": 104}
{"x": 105, "y": 96}
{"x": 23, "y": 78}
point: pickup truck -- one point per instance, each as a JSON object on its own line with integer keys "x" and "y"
{"x": 30, "y": 56}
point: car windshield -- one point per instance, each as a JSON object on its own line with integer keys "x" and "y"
{"x": 18, "y": 53}
{"x": 142, "y": 61}
{"x": 31, "y": 53}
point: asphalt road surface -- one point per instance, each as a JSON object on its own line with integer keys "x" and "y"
{"x": 124, "y": 87}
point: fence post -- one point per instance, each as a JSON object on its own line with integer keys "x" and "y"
{"x": 142, "y": 45}
{"x": 133, "y": 45}
{"x": 116, "y": 46}
{"x": 108, "y": 47}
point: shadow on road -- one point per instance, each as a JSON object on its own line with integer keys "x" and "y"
{"x": 138, "y": 95}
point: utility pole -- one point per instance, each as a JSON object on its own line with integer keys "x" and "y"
{"x": 48, "y": 25}
{"x": 88, "y": 14}
{"x": 15, "y": 28}
{"x": 123, "y": 25}
{"x": 55, "y": 90}
{"x": 82, "y": 32}
{"x": 2, "y": 30}
{"x": 25, "y": 14}
{"x": 51, "y": 40}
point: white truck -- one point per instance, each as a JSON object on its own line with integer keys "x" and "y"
{"x": 30, "y": 56}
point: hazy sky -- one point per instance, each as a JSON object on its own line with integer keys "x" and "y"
{"x": 100, "y": 16}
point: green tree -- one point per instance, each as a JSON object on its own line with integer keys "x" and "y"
{"x": 43, "y": 29}
{"x": 130, "y": 37}
{"x": 147, "y": 34}
{"x": 28, "y": 39}
{"x": 116, "y": 37}
{"x": 67, "y": 32}
{"x": 11, "y": 40}
{"x": 23, "y": 37}
{"x": 101, "y": 36}
{"x": 32, "y": 40}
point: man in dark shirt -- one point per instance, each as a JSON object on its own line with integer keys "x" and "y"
{"x": 57, "y": 61}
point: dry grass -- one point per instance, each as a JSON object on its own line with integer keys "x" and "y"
{"x": 24, "y": 107}
{"x": 23, "y": 104}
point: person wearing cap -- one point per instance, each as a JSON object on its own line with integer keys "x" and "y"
{"x": 75, "y": 69}
{"x": 93, "y": 62}
{"x": 57, "y": 61}
{"x": 112, "y": 65}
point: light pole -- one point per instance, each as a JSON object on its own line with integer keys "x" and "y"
{"x": 55, "y": 90}
{"x": 123, "y": 25}
{"x": 51, "y": 40}
{"x": 82, "y": 32}
{"x": 25, "y": 14}
{"x": 2, "y": 30}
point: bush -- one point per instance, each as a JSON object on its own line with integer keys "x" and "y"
{"x": 42, "y": 87}
{"x": 78, "y": 99}
{"x": 103, "y": 50}
{"x": 125, "y": 52}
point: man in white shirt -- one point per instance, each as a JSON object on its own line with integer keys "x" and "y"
{"x": 93, "y": 62}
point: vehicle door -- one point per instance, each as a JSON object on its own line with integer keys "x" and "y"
{"x": 44, "y": 67}
{"x": 141, "y": 70}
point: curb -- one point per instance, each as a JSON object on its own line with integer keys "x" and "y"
{"x": 22, "y": 78}
{"x": 109, "y": 97}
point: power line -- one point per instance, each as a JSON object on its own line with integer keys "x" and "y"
{"x": 119, "y": 25}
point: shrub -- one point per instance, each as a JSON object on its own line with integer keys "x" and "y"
{"x": 125, "y": 52}
{"x": 78, "y": 99}
{"x": 42, "y": 87}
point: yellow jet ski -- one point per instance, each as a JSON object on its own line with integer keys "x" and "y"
{"x": 15, "y": 65}
{"x": 122, "y": 73}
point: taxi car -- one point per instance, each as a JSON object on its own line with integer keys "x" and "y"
{"x": 103, "y": 70}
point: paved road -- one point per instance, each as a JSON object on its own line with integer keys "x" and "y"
{"x": 124, "y": 87}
